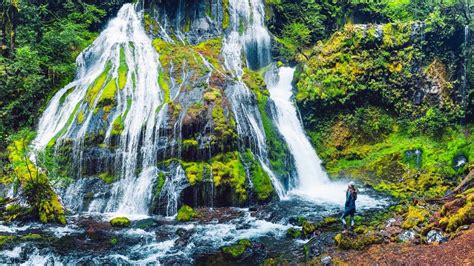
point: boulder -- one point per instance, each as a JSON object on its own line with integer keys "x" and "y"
{"x": 434, "y": 236}
{"x": 120, "y": 222}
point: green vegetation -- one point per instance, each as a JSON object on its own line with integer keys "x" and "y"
{"x": 120, "y": 222}
{"x": 359, "y": 241}
{"x": 122, "y": 70}
{"x": 262, "y": 183}
{"x": 37, "y": 187}
{"x": 186, "y": 214}
{"x": 236, "y": 250}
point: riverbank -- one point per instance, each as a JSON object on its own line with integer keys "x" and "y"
{"x": 458, "y": 251}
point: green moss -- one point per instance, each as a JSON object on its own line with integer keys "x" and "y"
{"x": 293, "y": 233}
{"x": 31, "y": 237}
{"x": 463, "y": 216}
{"x": 358, "y": 242}
{"x": 162, "y": 81}
{"x": 227, "y": 169}
{"x": 195, "y": 171}
{"x": 414, "y": 217}
{"x": 226, "y": 18}
{"x": 6, "y": 239}
{"x": 262, "y": 183}
{"x": 186, "y": 214}
{"x": 238, "y": 249}
{"x": 80, "y": 117}
{"x": 160, "y": 184}
{"x": 308, "y": 228}
{"x": 120, "y": 222}
{"x": 117, "y": 126}
{"x": 65, "y": 95}
{"x": 97, "y": 85}
{"x": 107, "y": 177}
{"x": 122, "y": 70}
{"x": 108, "y": 94}
{"x": 63, "y": 130}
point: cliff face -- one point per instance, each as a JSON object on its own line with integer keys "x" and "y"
{"x": 384, "y": 100}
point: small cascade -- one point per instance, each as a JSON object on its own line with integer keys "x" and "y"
{"x": 112, "y": 101}
{"x": 312, "y": 182}
{"x": 308, "y": 164}
{"x": 172, "y": 189}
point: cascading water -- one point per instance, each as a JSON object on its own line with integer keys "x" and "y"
{"x": 312, "y": 183}
{"x": 118, "y": 80}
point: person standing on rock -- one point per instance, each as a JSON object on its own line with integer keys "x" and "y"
{"x": 349, "y": 207}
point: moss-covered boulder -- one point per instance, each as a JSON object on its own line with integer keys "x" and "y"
{"x": 308, "y": 228}
{"x": 293, "y": 232}
{"x": 456, "y": 216}
{"x": 414, "y": 217}
{"x": 236, "y": 250}
{"x": 349, "y": 241}
{"x": 186, "y": 214}
{"x": 120, "y": 222}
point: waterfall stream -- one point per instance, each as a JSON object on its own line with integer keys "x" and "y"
{"x": 313, "y": 182}
{"x": 121, "y": 62}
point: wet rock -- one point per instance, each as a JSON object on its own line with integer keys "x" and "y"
{"x": 236, "y": 250}
{"x": 407, "y": 236}
{"x": 308, "y": 228}
{"x": 298, "y": 221}
{"x": 120, "y": 222}
{"x": 326, "y": 260}
{"x": 293, "y": 232}
{"x": 145, "y": 224}
{"x": 351, "y": 241}
{"x": 181, "y": 232}
{"x": 434, "y": 236}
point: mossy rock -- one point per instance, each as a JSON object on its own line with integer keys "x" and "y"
{"x": 186, "y": 214}
{"x": 237, "y": 250}
{"x": 293, "y": 232}
{"x": 120, "y": 222}
{"x": 308, "y": 228}
{"x": 414, "y": 217}
{"x": 31, "y": 237}
{"x": 5, "y": 240}
{"x": 346, "y": 241}
{"x": 462, "y": 216}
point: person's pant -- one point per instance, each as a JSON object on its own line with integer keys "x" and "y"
{"x": 343, "y": 218}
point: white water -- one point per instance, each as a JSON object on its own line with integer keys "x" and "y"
{"x": 138, "y": 141}
{"x": 313, "y": 182}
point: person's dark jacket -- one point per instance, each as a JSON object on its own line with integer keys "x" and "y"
{"x": 351, "y": 197}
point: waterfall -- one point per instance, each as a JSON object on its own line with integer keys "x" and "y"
{"x": 115, "y": 95}
{"x": 312, "y": 183}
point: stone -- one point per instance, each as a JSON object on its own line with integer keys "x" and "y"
{"x": 434, "y": 236}
{"x": 407, "y": 236}
{"x": 326, "y": 260}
